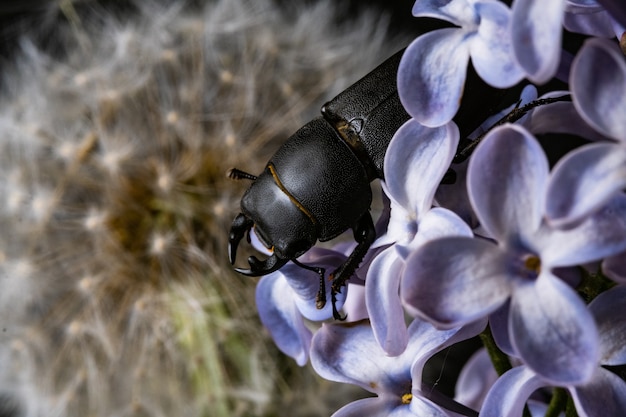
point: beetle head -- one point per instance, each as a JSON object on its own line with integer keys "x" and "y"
{"x": 280, "y": 223}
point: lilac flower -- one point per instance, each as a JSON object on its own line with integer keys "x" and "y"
{"x": 350, "y": 354}
{"x": 287, "y": 297}
{"x": 536, "y": 31}
{"x": 588, "y": 177}
{"x": 415, "y": 163}
{"x": 457, "y": 280}
{"x": 432, "y": 71}
{"x": 603, "y": 395}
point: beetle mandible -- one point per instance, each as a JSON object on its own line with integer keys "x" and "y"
{"x": 317, "y": 185}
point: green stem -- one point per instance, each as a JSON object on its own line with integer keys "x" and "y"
{"x": 570, "y": 409}
{"x": 593, "y": 284}
{"x": 558, "y": 402}
{"x": 498, "y": 358}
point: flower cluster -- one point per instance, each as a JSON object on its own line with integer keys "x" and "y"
{"x": 525, "y": 251}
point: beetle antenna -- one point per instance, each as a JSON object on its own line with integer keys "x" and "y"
{"x": 511, "y": 117}
{"x": 237, "y": 174}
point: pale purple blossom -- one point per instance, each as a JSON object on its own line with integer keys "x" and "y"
{"x": 350, "y": 354}
{"x": 604, "y": 394}
{"x": 433, "y": 68}
{"x": 588, "y": 177}
{"x": 456, "y": 280}
{"x": 416, "y": 160}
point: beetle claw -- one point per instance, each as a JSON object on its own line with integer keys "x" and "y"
{"x": 240, "y": 227}
{"x": 258, "y": 268}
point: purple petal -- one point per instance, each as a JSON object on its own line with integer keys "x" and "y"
{"x": 584, "y": 180}
{"x": 420, "y": 406}
{"x": 553, "y": 332}
{"x": 499, "y": 323}
{"x": 432, "y": 74}
{"x": 510, "y": 392}
{"x": 279, "y": 314}
{"x": 440, "y": 222}
{"x": 425, "y": 340}
{"x": 598, "y": 82}
{"x": 609, "y": 310}
{"x": 383, "y": 302}
{"x": 402, "y": 224}
{"x": 459, "y": 12}
{"x": 491, "y": 51}
{"x": 506, "y": 182}
{"x": 354, "y": 308}
{"x": 349, "y": 353}
{"x": 600, "y": 235}
{"x": 616, "y": 9}
{"x": 435, "y": 224}
{"x": 455, "y": 280}
{"x": 595, "y": 23}
{"x": 605, "y": 395}
{"x": 415, "y": 162}
{"x": 614, "y": 267}
{"x": 536, "y": 28}
{"x": 375, "y": 407}
{"x": 475, "y": 380}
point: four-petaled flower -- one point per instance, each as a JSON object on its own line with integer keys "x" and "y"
{"x": 456, "y": 280}
{"x": 350, "y": 354}
{"x": 432, "y": 71}
{"x": 604, "y": 394}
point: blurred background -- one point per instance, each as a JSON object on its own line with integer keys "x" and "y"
{"x": 118, "y": 121}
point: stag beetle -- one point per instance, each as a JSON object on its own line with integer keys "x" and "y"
{"x": 317, "y": 185}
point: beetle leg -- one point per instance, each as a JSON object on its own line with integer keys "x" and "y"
{"x": 237, "y": 174}
{"x": 320, "y": 299}
{"x": 241, "y": 225}
{"x": 364, "y": 234}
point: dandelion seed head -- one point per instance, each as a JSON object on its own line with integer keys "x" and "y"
{"x": 113, "y": 149}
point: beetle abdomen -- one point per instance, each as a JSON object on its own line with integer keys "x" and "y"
{"x": 317, "y": 168}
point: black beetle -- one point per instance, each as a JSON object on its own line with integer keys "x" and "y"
{"x": 317, "y": 185}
